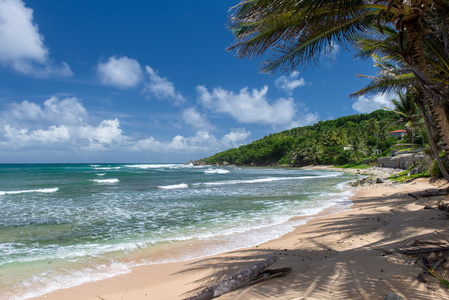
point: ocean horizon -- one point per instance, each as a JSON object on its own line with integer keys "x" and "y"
{"x": 65, "y": 224}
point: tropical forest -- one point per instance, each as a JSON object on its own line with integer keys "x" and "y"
{"x": 348, "y": 140}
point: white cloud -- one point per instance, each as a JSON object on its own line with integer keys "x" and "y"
{"x": 202, "y": 142}
{"x": 194, "y": 143}
{"x": 236, "y": 136}
{"x": 64, "y": 137}
{"x": 122, "y": 72}
{"x": 195, "y": 119}
{"x": 21, "y": 37}
{"x": 162, "y": 88}
{"x": 108, "y": 132}
{"x": 67, "y": 111}
{"x": 64, "y": 125}
{"x": 52, "y": 135}
{"x": 303, "y": 117}
{"x": 368, "y": 104}
{"x": 61, "y": 122}
{"x": 304, "y": 120}
{"x": 22, "y": 47}
{"x": 248, "y": 107}
{"x": 289, "y": 83}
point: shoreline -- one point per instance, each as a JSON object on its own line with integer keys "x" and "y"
{"x": 328, "y": 249}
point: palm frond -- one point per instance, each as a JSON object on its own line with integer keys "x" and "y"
{"x": 370, "y": 43}
{"x": 385, "y": 85}
{"x": 314, "y": 42}
{"x": 297, "y": 32}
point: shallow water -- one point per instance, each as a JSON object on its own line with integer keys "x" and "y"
{"x": 62, "y": 225}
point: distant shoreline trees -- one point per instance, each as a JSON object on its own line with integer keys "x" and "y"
{"x": 339, "y": 141}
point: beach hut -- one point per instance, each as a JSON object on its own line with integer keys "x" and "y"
{"x": 399, "y": 134}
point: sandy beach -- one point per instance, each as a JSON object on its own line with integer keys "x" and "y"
{"x": 348, "y": 255}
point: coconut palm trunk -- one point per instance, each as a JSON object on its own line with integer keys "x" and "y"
{"x": 441, "y": 122}
{"x": 433, "y": 146}
{"x": 414, "y": 55}
{"x": 409, "y": 135}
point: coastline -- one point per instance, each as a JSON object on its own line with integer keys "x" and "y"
{"x": 332, "y": 256}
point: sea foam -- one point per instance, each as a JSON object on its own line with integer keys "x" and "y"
{"x": 49, "y": 190}
{"x": 106, "y": 181}
{"x": 152, "y": 166}
{"x": 45, "y": 282}
{"x": 173, "y": 186}
{"x": 216, "y": 171}
{"x": 263, "y": 180}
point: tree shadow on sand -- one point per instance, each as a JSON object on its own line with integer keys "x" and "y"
{"x": 354, "y": 264}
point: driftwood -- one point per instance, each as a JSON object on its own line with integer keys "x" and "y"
{"x": 249, "y": 276}
{"x": 430, "y": 193}
{"x": 422, "y": 250}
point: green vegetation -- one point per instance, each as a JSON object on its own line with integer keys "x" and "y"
{"x": 435, "y": 170}
{"x": 408, "y": 41}
{"x": 404, "y": 176}
{"x": 355, "y": 165}
{"x": 345, "y": 140}
{"x": 432, "y": 272}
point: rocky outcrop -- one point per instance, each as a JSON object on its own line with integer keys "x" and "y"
{"x": 403, "y": 161}
{"x": 301, "y": 160}
{"x": 367, "y": 161}
{"x": 199, "y": 162}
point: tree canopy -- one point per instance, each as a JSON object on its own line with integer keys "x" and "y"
{"x": 326, "y": 142}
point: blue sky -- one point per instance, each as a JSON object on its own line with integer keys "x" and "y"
{"x": 149, "y": 81}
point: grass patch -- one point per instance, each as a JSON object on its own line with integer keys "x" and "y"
{"x": 355, "y": 165}
{"x": 403, "y": 176}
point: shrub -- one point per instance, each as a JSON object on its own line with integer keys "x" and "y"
{"x": 343, "y": 158}
{"x": 284, "y": 160}
{"x": 387, "y": 143}
{"x": 435, "y": 171}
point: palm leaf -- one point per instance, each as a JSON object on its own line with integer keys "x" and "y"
{"x": 314, "y": 42}
{"x": 385, "y": 85}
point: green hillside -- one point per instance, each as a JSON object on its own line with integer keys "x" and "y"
{"x": 336, "y": 141}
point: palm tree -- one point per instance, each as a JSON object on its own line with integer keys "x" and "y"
{"x": 419, "y": 96}
{"x": 408, "y": 112}
{"x": 330, "y": 137}
{"x": 307, "y": 152}
{"x": 356, "y": 142}
{"x": 394, "y": 75}
{"x": 391, "y": 77}
{"x": 372, "y": 127}
{"x": 299, "y": 32}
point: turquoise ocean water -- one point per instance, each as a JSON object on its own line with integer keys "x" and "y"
{"x": 62, "y": 225}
